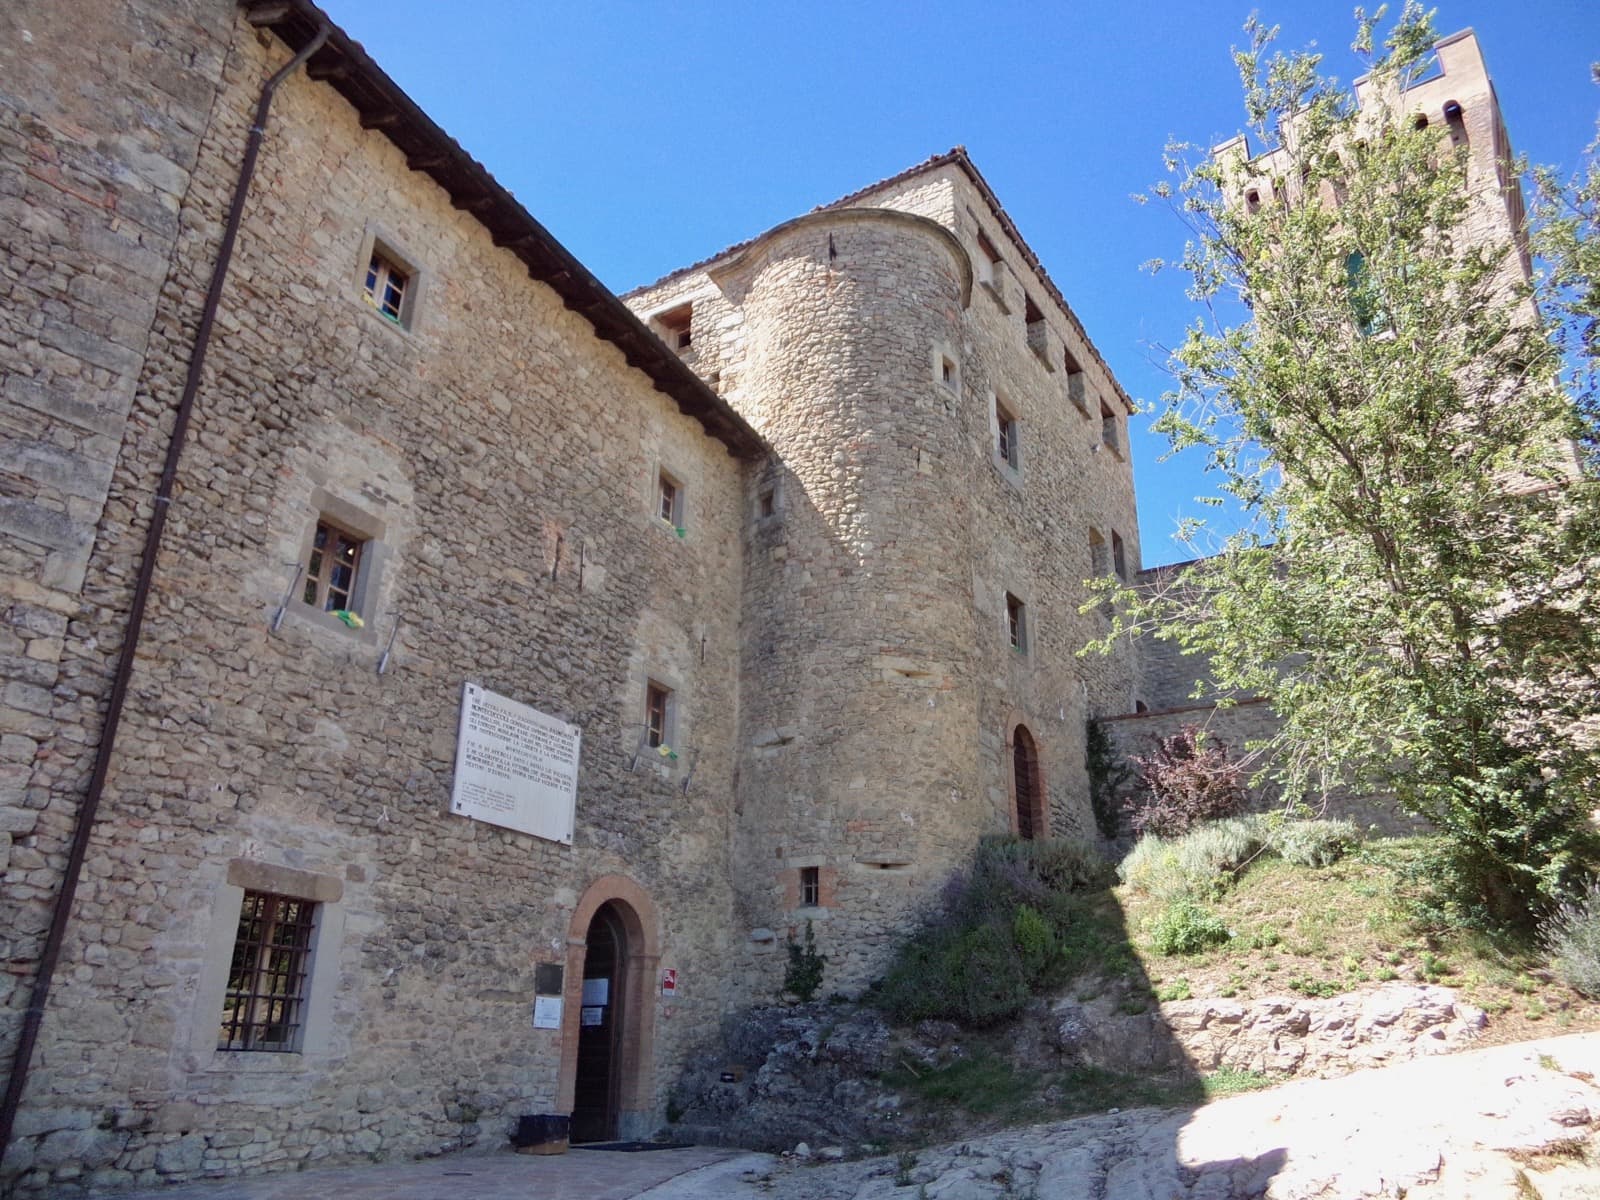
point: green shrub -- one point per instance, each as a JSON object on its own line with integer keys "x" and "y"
{"x": 803, "y": 975}
{"x": 1514, "y": 846}
{"x": 1034, "y": 939}
{"x": 1184, "y": 927}
{"x": 1313, "y": 843}
{"x": 1109, "y": 776}
{"x": 1571, "y": 937}
{"x": 1010, "y": 925}
{"x": 1063, "y": 864}
{"x": 1201, "y": 864}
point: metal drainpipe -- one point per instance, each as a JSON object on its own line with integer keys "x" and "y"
{"x": 141, "y": 593}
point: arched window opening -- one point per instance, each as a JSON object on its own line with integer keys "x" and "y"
{"x": 1456, "y": 121}
{"x": 1420, "y": 121}
{"x": 1027, "y": 785}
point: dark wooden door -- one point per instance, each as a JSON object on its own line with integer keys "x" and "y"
{"x": 1025, "y": 777}
{"x": 595, "y": 1086}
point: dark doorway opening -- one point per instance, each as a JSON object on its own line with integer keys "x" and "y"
{"x": 1025, "y": 780}
{"x": 597, "y": 1083}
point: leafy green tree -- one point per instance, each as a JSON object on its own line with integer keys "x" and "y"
{"x": 1567, "y": 238}
{"x": 1414, "y": 581}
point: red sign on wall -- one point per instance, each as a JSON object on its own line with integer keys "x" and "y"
{"x": 669, "y": 982}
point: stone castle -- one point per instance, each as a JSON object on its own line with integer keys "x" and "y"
{"x": 304, "y": 445}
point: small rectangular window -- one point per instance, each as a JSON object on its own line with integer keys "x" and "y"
{"x": 332, "y": 569}
{"x": 386, "y": 287}
{"x": 263, "y": 1008}
{"x": 1038, "y": 332}
{"x": 1119, "y": 558}
{"x": 657, "y": 715}
{"x": 766, "y": 503}
{"x": 669, "y": 500}
{"x": 947, "y": 372}
{"x": 1005, "y": 435}
{"x": 1017, "y": 623}
{"x": 988, "y": 258}
{"x": 677, "y": 327}
{"x": 1077, "y": 382}
{"x": 810, "y": 887}
{"x": 1109, "y": 433}
{"x": 1099, "y": 559}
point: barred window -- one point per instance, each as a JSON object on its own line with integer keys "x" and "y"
{"x": 265, "y": 1000}
{"x": 810, "y": 887}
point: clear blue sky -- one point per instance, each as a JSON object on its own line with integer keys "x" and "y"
{"x": 649, "y": 135}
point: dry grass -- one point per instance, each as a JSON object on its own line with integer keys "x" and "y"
{"x": 1323, "y": 931}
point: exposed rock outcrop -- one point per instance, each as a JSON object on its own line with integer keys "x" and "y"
{"x": 1277, "y": 1035}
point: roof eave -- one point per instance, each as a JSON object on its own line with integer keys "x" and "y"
{"x": 384, "y": 106}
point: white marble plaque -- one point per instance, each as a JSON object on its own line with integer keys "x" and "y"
{"x": 547, "y": 1012}
{"x": 515, "y": 766}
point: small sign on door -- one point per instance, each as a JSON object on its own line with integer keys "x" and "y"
{"x": 669, "y": 982}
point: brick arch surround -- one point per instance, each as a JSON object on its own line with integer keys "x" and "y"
{"x": 636, "y": 1115}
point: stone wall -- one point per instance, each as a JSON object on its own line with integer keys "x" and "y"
{"x": 468, "y": 448}
{"x": 92, "y": 179}
{"x": 881, "y": 692}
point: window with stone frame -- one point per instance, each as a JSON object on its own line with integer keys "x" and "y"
{"x": 1017, "y": 623}
{"x": 333, "y": 568}
{"x": 1006, "y": 435}
{"x": 1099, "y": 554}
{"x": 1077, "y": 381}
{"x": 810, "y": 887}
{"x": 988, "y": 257}
{"x": 677, "y": 327}
{"x": 669, "y": 500}
{"x": 1035, "y": 327}
{"x": 386, "y": 286}
{"x": 1119, "y": 556}
{"x": 263, "y": 1008}
{"x": 657, "y": 715}
{"x": 1110, "y": 432}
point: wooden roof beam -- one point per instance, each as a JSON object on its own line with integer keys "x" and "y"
{"x": 380, "y": 120}
{"x": 328, "y": 71}
{"x": 261, "y": 15}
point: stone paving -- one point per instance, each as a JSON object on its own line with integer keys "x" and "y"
{"x": 576, "y": 1175}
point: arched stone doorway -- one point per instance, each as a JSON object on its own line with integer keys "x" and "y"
{"x": 1027, "y": 786}
{"x": 608, "y": 1022}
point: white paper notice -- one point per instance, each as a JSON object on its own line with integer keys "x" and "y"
{"x": 547, "y": 1012}
{"x": 515, "y": 766}
{"x": 595, "y": 1015}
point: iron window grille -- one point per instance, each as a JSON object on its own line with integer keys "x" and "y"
{"x": 810, "y": 887}
{"x": 263, "y": 1008}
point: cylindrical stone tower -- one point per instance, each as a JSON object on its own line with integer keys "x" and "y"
{"x": 858, "y": 781}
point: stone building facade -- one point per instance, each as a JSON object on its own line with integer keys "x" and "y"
{"x": 795, "y": 537}
{"x": 796, "y": 542}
